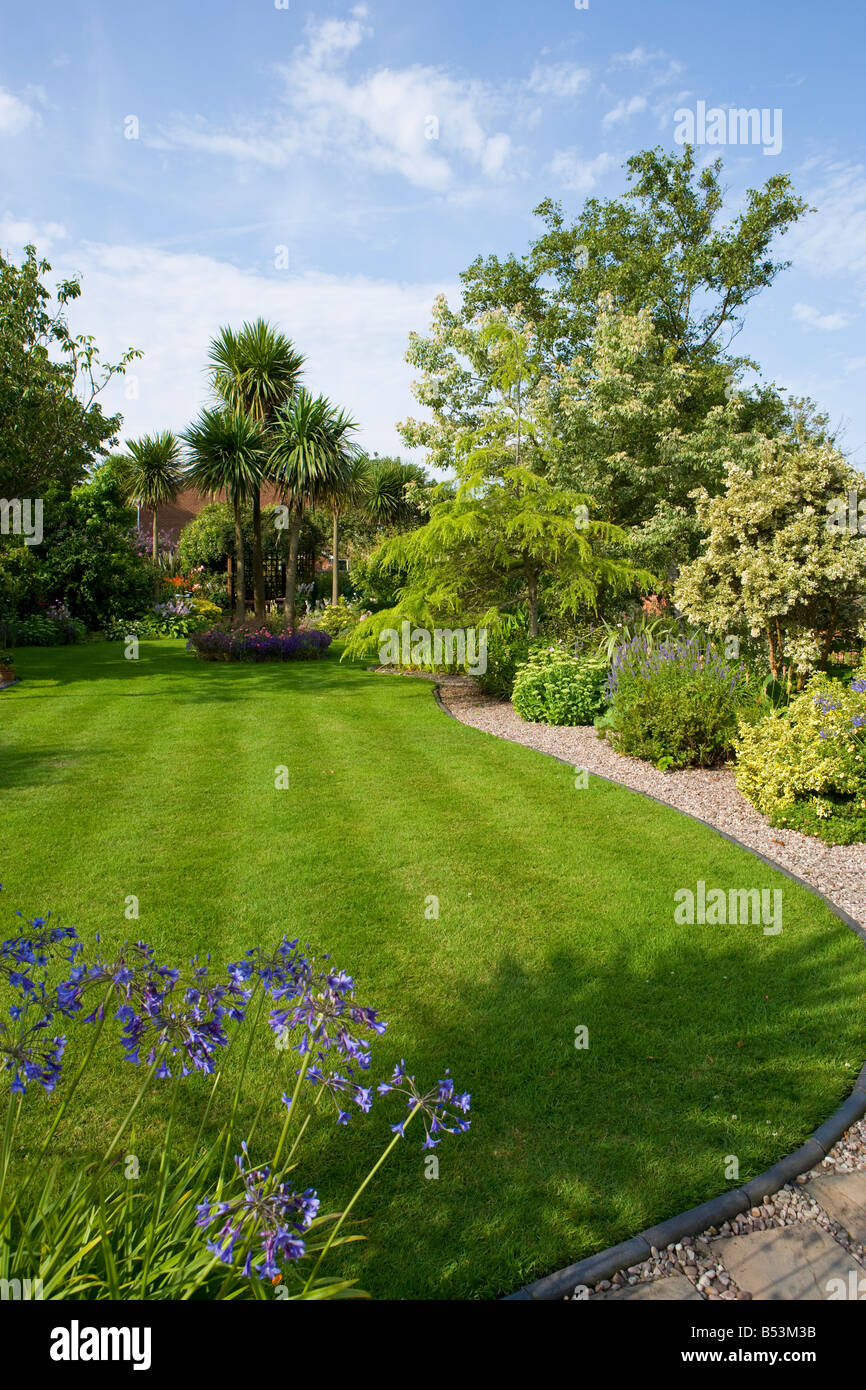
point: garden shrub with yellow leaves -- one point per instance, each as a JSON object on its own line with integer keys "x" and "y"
{"x": 805, "y": 766}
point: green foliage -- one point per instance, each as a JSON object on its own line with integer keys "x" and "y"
{"x": 55, "y": 627}
{"x": 556, "y": 687}
{"x": 337, "y": 619}
{"x": 676, "y": 706}
{"x": 86, "y": 560}
{"x": 805, "y": 765}
{"x": 507, "y": 649}
{"x": 51, "y": 425}
{"x": 772, "y": 566}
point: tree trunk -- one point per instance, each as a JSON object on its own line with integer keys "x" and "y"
{"x": 774, "y": 653}
{"x": 240, "y": 576}
{"x": 154, "y": 558}
{"x": 533, "y": 603}
{"x": 335, "y": 578}
{"x": 292, "y": 572}
{"x": 258, "y": 561}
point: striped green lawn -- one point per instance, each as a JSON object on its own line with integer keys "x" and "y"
{"x": 156, "y": 779}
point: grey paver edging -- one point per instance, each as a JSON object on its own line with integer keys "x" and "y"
{"x": 736, "y": 1200}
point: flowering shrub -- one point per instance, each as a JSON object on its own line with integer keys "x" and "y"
{"x": 805, "y": 766}
{"x": 301, "y": 644}
{"x": 675, "y": 703}
{"x": 338, "y": 618}
{"x": 80, "y": 1235}
{"x": 55, "y": 627}
{"x": 176, "y": 617}
{"x": 556, "y": 687}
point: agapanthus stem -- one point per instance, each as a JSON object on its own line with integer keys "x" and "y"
{"x": 372, "y": 1173}
{"x": 36, "y": 1167}
{"x": 292, "y": 1108}
{"x": 142, "y": 1091}
{"x": 238, "y": 1087}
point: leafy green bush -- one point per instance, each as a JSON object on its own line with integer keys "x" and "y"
{"x": 805, "y": 766}
{"x": 556, "y": 687}
{"x": 55, "y": 627}
{"x": 676, "y": 703}
{"x": 87, "y": 560}
{"x": 506, "y": 651}
{"x": 337, "y": 618}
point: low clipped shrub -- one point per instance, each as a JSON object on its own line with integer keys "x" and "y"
{"x": 804, "y": 766}
{"x": 219, "y": 644}
{"x": 676, "y": 703}
{"x": 556, "y": 687}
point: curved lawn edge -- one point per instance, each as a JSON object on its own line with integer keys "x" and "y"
{"x": 736, "y": 1200}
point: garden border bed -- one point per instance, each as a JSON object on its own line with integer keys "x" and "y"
{"x": 736, "y": 1200}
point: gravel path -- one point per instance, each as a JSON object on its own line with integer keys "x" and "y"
{"x": 838, "y": 871}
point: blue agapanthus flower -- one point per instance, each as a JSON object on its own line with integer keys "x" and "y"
{"x": 269, "y": 1216}
{"x": 442, "y": 1109}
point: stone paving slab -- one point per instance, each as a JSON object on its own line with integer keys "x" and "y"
{"x": 675, "y": 1288}
{"x": 786, "y": 1263}
{"x": 843, "y": 1196}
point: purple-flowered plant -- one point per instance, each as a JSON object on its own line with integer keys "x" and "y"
{"x": 301, "y": 644}
{"x": 173, "y": 1023}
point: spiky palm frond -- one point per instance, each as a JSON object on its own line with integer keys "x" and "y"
{"x": 226, "y": 453}
{"x": 256, "y": 369}
{"x": 309, "y": 449}
{"x": 152, "y": 472}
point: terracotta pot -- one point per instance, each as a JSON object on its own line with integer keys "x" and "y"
{"x": 7, "y": 673}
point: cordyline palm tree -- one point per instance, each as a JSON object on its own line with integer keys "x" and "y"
{"x": 256, "y": 370}
{"x": 349, "y": 484}
{"x": 385, "y": 491}
{"x": 227, "y": 451}
{"x": 309, "y": 460}
{"x": 153, "y": 476}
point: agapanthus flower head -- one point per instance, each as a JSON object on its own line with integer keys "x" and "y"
{"x": 443, "y": 1109}
{"x": 269, "y": 1217}
{"x": 320, "y": 1005}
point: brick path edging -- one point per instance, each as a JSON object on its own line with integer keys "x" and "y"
{"x": 563, "y": 1282}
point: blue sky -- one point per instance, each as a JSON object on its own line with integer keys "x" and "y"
{"x": 284, "y": 164}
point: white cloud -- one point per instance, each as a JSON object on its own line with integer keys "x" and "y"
{"x": 353, "y": 330}
{"x": 624, "y": 109}
{"x": 638, "y": 57}
{"x": 252, "y": 147}
{"x": 15, "y": 115}
{"x": 416, "y": 121}
{"x": 18, "y": 232}
{"x": 832, "y": 241}
{"x": 577, "y": 174}
{"x": 560, "y": 80}
{"x": 813, "y": 318}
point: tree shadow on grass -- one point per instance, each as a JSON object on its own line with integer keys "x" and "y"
{"x": 573, "y": 1150}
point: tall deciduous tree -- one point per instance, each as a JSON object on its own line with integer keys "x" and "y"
{"x": 506, "y": 530}
{"x": 52, "y": 428}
